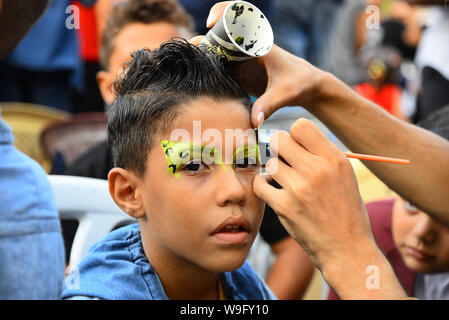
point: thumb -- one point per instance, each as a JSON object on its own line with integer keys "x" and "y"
{"x": 265, "y": 106}
{"x": 216, "y": 12}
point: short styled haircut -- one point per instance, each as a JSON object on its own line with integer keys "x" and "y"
{"x": 151, "y": 88}
{"x": 127, "y": 12}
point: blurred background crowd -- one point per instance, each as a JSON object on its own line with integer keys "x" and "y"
{"x": 55, "y": 86}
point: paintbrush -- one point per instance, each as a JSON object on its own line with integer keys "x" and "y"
{"x": 375, "y": 158}
{"x": 368, "y": 157}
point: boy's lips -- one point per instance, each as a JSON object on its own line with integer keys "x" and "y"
{"x": 418, "y": 254}
{"x": 234, "y": 230}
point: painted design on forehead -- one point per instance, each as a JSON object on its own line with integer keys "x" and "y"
{"x": 178, "y": 153}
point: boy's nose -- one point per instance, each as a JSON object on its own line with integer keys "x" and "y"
{"x": 425, "y": 229}
{"x": 230, "y": 188}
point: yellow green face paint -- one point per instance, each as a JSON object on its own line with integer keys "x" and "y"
{"x": 247, "y": 154}
{"x": 178, "y": 154}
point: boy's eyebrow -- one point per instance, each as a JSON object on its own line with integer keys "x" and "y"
{"x": 249, "y": 150}
{"x": 178, "y": 153}
{"x": 170, "y": 144}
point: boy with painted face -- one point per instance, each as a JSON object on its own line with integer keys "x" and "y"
{"x": 186, "y": 182}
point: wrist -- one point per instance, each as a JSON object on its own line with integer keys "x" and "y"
{"x": 326, "y": 89}
{"x": 362, "y": 273}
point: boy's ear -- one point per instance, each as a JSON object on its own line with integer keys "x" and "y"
{"x": 105, "y": 81}
{"x": 123, "y": 187}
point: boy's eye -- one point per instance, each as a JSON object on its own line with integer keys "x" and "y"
{"x": 247, "y": 157}
{"x": 246, "y": 163}
{"x": 194, "y": 166}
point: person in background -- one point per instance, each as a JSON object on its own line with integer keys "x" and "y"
{"x": 431, "y": 58}
{"x": 403, "y": 29}
{"x": 368, "y": 51}
{"x": 382, "y": 84}
{"x": 416, "y": 245}
{"x": 197, "y": 9}
{"x": 304, "y": 27}
{"x": 46, "y": 64}
{"x": 31, "y": 245}
{"x": 88, "y": 97}
{"x": 346, "y": 42}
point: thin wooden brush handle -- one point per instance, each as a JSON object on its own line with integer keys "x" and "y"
{"x": 376, "y": 158}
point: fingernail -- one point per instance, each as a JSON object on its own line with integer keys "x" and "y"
{"x": 260, "y": 119}
{"x": 209, "y": 20}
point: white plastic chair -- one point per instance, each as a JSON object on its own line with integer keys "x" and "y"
{"x": 88, "y": 201}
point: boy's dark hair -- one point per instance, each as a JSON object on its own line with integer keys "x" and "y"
{"x": 143, "y": 11}
{"x": 153, "y": 84}
{"x": 437, "y": 122}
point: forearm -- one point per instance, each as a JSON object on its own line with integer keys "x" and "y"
{"x": 422, "y": 2}
{"x": 364, "y": 274}
{"x": 366, "y": 128}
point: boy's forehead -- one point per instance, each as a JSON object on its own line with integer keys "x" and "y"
{"x": 207, "y": 121}
{"x": 231, "y": 138}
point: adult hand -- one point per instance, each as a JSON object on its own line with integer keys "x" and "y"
{"x": 319, "y": 203}
{"x": 321, "y": 208}
{"x": 279, "y": 78}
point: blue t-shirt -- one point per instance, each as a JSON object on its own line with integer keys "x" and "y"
{"x": 117, "y": 268}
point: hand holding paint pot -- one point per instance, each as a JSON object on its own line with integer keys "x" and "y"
{"x": 276, "y": 76}
{"x": 242, "y": 33}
